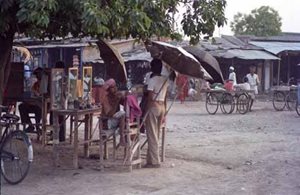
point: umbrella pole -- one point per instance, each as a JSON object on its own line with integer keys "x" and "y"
{"x": 175, "y": 99}
{"x": 144, "y": 119}
{"x": 278, "y": 71}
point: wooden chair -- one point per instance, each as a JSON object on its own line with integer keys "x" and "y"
{"x": 132, "y": 149}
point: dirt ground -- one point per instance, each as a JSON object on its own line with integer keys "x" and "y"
{"x": 256, "y": 153}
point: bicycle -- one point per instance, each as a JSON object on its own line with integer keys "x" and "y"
{"x": 298, "y": 108}
{"x": 16, "y": 150}
{"x": 284, "y": 96}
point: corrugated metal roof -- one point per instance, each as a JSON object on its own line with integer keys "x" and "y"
{"x": 240, "y": 42}
{"x": 57, "y": 45}
{"x": 92, "y": 54}
{"x": 244, "y": 54}
{"x": 141, "y": 56}
{"x": 283, "y": 37}
{"x": 277, "y": 47}
{"x": 224, "y": 43}
{"x": 234, "y": 40}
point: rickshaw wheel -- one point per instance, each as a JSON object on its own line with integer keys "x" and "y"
{"x": 211, "y": 104}
{"x": 279, "y": 100}
{"x": 243, "y": 103}
{"x": 227, "y": 103}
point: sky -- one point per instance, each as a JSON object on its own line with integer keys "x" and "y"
{"x": 289, "y": 11}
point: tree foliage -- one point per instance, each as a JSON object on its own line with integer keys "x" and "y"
{"x": 264, "y": 21}
{"x": 110, "y": 19}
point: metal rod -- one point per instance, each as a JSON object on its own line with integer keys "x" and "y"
{"x": 278, "y": 71}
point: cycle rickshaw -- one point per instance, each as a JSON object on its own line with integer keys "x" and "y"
{"x": 228, "y": 101}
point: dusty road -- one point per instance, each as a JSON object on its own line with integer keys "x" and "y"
{"x": 257, "y": 153}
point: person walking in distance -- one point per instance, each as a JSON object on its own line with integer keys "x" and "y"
{"x": 253, "y": 79}
{"x": 232, "y": 75}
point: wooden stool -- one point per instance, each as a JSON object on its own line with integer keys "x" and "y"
{"x": 132, "y": 150}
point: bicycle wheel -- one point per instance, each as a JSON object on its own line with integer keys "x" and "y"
{"x": 242, "y": 103}
{"x": 227, "y": 103}
{"x": 278, "y": 100}
{"x": 17, "y": 154}
{"x": 291, "y": 100}
{"x": 212, "y": 104}
{"x": 298, "y": 108}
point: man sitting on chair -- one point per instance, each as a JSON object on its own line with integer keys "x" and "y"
{"x": 26, "y": 107}
{"x": 111, "y": 108}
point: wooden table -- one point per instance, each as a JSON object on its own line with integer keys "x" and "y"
{"x": 88, "y": 115}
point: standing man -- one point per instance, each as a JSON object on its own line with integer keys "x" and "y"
{"x": 253, "y": 79}
{"x": 182, "y": 87}
{"x": 232, "y": 75}
{"x": 157, "y": 90}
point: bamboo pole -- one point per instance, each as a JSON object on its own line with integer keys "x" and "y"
{"x": 278, "y": 71}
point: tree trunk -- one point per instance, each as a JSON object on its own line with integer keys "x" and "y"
{"x": 6, "y": 43}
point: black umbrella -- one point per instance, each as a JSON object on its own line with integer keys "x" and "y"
{"x": 178, "y": 59}
{"x": 115, "y": 66}
{"x": 207, "y": 61}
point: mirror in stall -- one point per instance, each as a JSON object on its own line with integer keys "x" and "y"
{"x": 72, "y": 86}
{"x": 57, "y": 89}
{"x": 87, "y": 83}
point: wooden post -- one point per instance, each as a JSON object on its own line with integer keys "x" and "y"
{"x": 100, "y": 144}
{"x": 289, "y": 68}
{"x": 86, "y": 135}
{"x": 71, "y": 129}
{"x": 75, "y": 157}
{"x": 278, "y": 71}
{"x": 163, "y": 149}
{"x": 139, "y": 155}
{"x": 44, "y": 119}
{"x": 55, "y": 139}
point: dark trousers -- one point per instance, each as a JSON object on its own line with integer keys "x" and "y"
{"x": 61, "y": 121}
{"x": 25, "y": 109}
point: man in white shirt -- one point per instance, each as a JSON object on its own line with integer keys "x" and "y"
{"x": 232, "y": 76}
{"x": 253, "y": 79}
{"x": 246, "y": 87}
{"x": 157, "y": 90}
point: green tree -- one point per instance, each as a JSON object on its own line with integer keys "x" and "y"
{"x": 139, "y": 19}
{"x": 264, "y": 21}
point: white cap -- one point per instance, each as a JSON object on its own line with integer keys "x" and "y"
{"x": 231, "y": 68}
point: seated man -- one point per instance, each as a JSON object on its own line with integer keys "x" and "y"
{"x": 111, "y": 108}
{"x": 246, "y": 87}
{"x": 243, "y": 86}
{"x": 26, "y": 107}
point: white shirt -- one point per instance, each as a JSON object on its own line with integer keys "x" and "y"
{"x": 243, "y": 86}
{"x": 232, "y": 77}
{"x": 158, "y": 85}
{"x": 147, "y": 78}
{"x": 27, "y": 72}
{"x": 165, "y": 71}
{"x": 252, "y": 79}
